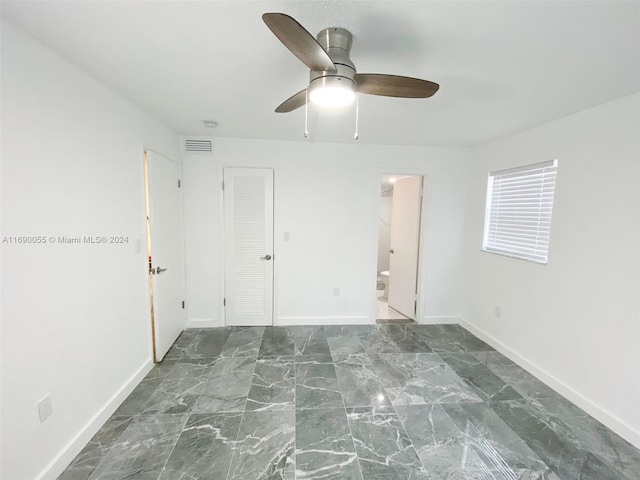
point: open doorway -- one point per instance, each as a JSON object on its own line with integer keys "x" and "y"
{"x": 398, "y": 248}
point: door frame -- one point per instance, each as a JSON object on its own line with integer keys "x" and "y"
{"x": 426, "y": 175}
{"x": 222, "y": 236}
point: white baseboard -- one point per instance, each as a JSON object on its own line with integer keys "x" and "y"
{"x": 593, "y": 409}
{"x": 78, "y": 442}
{"x": 204, "y": 323}
{"x": 286, "y": 321}
{"x": 439, "y": 320}
{"x": 322, "y": 321}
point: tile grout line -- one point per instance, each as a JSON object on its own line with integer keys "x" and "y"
{"x": 400, "y": 421}
{"x": 244, "y": 410}
{"x": 344, "y": 406}
{"x": 174, "y": 445}
{"x": 295, "y": 415}
{"x": 188, "y": 414}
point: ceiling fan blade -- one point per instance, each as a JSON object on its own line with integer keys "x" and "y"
{"x": 301, "y": 43}
{"x": 394, "y": 86}
{"x": 293, "y": 102}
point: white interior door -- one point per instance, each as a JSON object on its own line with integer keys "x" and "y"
{"x": 165, "y": 250}
{"x": 248, "y": 220}
{"x": 405, "y": 239}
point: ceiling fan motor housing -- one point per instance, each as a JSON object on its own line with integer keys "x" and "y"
{"x": 337, "y": 43}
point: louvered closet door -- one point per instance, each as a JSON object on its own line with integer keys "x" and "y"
{"x": 248, "y": 220}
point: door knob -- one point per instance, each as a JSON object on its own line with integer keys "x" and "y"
{"x": 160, "y": 270}
{"x": 391, "y": 251}
{"x": 266, "y": 257}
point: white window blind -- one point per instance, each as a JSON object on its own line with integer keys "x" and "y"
{"x": 518, "y": 211}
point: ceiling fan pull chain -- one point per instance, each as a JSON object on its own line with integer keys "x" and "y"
{"x": 306, "y": 115}
{"x": 355, "y": 137}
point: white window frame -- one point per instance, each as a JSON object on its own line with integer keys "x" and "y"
{"x": 518, "y": 211}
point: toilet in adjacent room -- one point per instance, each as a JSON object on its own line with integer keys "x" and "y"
{"x": 385, "y": 279}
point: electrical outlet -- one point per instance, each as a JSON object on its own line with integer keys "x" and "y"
{"x": 45, "y": 407}
{"x": 336, "y": 291}
{"x": 497, "y": 311}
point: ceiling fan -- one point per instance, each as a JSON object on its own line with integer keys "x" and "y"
{"x": 333, "y": 80}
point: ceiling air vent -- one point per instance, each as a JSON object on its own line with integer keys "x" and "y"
{"x": 198, "y": 146}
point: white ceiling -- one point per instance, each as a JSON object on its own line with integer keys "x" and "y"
{"x": 502, "y": 66}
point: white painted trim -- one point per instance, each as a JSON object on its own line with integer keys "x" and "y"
{"x": 323, "y": 321}
{"x": 204, "y": 323}
{"x": 80, "y": 440}
{"x": 435, "y": 320}
{"x": 596, "y": 411}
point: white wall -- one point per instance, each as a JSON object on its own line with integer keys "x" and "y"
{"x": 575, "y": 321}
{"x": 75, "y": 318}
{"x": 327, "y": 196}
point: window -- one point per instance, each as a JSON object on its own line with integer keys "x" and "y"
{"x": 518, "y": 212}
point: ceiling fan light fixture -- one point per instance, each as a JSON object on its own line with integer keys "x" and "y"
{"x": 332, "y": 92}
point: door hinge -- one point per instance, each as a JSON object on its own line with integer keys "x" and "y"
{"x": 224, "y": 302}
{"x": 182, "y": 303}
{"x": 223, "y": 185}
{"x": 179, "y": 183}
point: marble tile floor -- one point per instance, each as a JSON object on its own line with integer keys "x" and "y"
{"x": 386, "y": 402}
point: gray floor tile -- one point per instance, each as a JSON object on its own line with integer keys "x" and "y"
{"x": 183, "y": 342}
{"x": 265, "y": 447}
{"x": 310, "y": 341}
{"x": 204, "y": 361}
{"x": 353, "y": 402}
{"x": 273, "y": 385}
{"x": 90, "y": 457}
{"x": 143, "y": 448}
{"x": 277, "y": 341}
{"x": 179, "y": 390}
{"x": 346, "y": 345}
{"x": 378, "y": 341}
{"x": 243, "y": 341}
{"x": 324, "y": 446}
{"x": 227, "y": 388}
{"x": 562, "y": 453}
{"x": 495, "y": 447}
{"x": 135, "y": 401}
{"x": 590, "y": 435}
{"x": 486, "y": 384}
{"x": 439, "y": 443}
{"x": 133, "y": 404}
{"x": 407, "y": 338}
{"x": 199, "y": 343}
{"x": 420, "y": 378}
{"x": 160, "y": 370}
{"x": 337, "y": 331}
{"x": 359, "y": 382}
{"x": 205, "y": 447}
{"x": 518, "y": 378}
{"x": 317, "y": 385}
{"x": 384, "y": 449}
{"x": 451, "y": 338}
